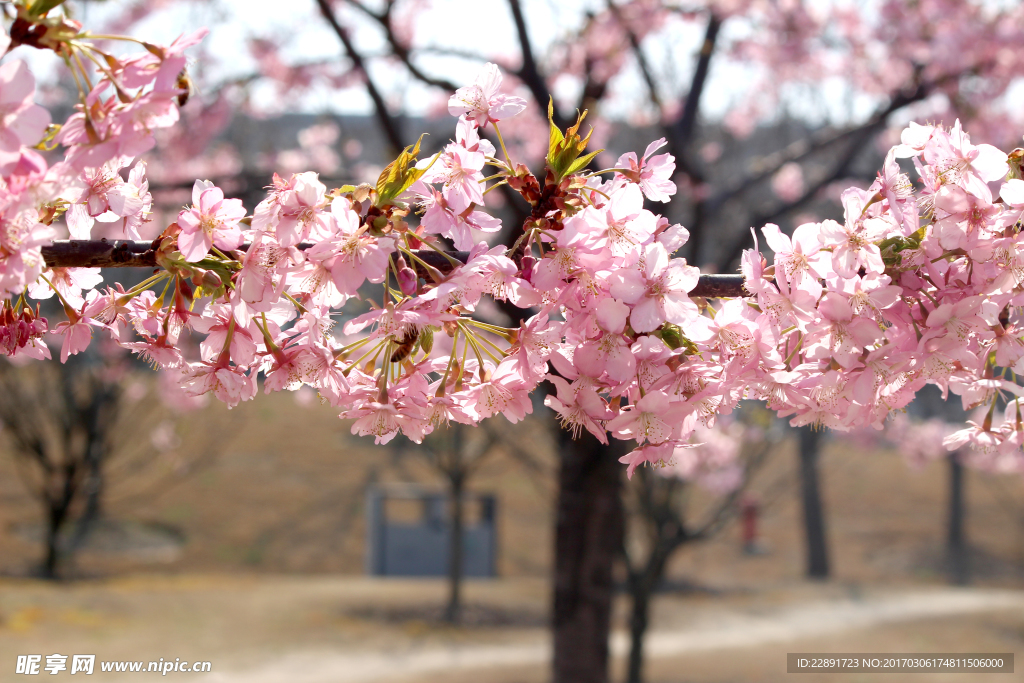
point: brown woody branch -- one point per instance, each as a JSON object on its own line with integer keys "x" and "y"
{"x": 387, "y": 122}
{"x": 680, "y": 134}
{"x": 528, "y": 72}
{"x": 638, "y": 53}
{"x": 398, "y": 49}
{"x": 138, "y": 254}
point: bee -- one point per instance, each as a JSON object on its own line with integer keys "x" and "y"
{"x": 184, "y": 83}
{"x": 405, "y": 345}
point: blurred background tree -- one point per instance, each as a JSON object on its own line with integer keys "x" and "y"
{"x": 73, "y": 427}
{"x": 667, "y": 512}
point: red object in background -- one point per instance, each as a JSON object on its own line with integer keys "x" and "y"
{"x": 748, "y": 515}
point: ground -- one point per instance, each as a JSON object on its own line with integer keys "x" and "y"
{"x": 267, "y": 629}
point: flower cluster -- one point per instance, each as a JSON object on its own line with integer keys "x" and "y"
{"x": 122, "y": 101}
{"x": 916, "y": 286}
{"x": 913, "y": 288}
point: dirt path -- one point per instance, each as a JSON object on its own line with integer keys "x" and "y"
{"x": 710, "y": 629}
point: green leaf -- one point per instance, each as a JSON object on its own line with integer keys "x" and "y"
{"x": 556, "y": 137}
{"x": 400, "y": 174}
{"x": 582, "y": 162}
{"x": 41, "y": 7}
{"x": 427, "y": 339}
{"x": 564, "y": 150}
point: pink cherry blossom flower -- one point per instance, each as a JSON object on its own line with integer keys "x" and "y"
{"x": 658, "y": 292}
{"x": 441, "y": 219}
{"x": 976, "y": 436}
{"x": 216, "y": 323}
{"x": 160, "y": 65}
{"x": 962, "y": 217}
{"x": 958, "y": 320}
{"x": 660, "y": 454}
{"x": 70, "y": 282}
{"x": 22, "y": 122}
{"x": 652, "y": 174}
{"x": 896, "y": 187}
{"x": 261, "y": 280}
{"x": 650, "y": 354}
{"x": 672, "y": 237}
{"x": 797, "y": 258}
{"x": 352, "y": 255}
{"x": 620, "y": 225}
{"x": 229, "y": 383}
{"x": 460, "y": 171}
{"x": 579, "y": 409}
{"x": 649, "y": 419}
{"x": 107, "y": 198}
{"x": 503, "y": 393}
{"x": 482, "y": 103}
{"x": 914, "y": 138}
{"x": 972, "y": 165}
{"x": 211, "y": 222}
{"x": 839, "y": 334}
{"x": 77, "y": 329}
{"x": 384, "y": 420}
{"x": 611, "y": 351}
{"x": 294, "y": 209}
{"x": 534, "y": 343}
{"x": 853, "y": 247}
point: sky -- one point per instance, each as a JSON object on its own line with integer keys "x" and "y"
{"x": 483, "y": 27}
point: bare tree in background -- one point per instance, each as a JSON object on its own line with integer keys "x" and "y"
{"x": 59, "y": 421}
{"x": 958, "y": 556}
{"x": 70, "y": 426}
{"x": 663, "y": 520}
{"x": 456, "y": 453}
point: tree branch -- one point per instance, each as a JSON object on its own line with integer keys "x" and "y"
{"x": 680, "y": 135}
{"x": 132, "y": 254}
{"x": 641, "y": 59}
{"x": 399, "y": 50}
{"x": 528, "y": 72}
{"x": 387, "y": 121}
{"x": 839, "y": 170}
{"x": 682, "y": 131}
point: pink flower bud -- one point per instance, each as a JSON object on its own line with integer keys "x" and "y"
{"x": 407, "y": 280}
{"x": 211, "y": 280}
{"x": 527, "y": 268}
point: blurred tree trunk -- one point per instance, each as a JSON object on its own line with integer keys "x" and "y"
{"x": 455, "y": 453}
{"x": 641, "y": 588}
{"x": 453, "y": 612}
{"x": 56, "y": 515}
{"x": 956, "y": 542}
{"x": 814, "y": 513}
{"x": 588, "y": 536}
{"x": 58, "y": 419}
{"x": 92, "y": 488}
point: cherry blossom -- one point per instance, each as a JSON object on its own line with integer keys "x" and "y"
{"x": 351, "y": 291}
{"x": 653, "y": 173}
{"x": 22, "y": 122}
{"x": 657, "y": 290}
{"x": 482, "y": 103}
{"x": 211, "y": 222}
